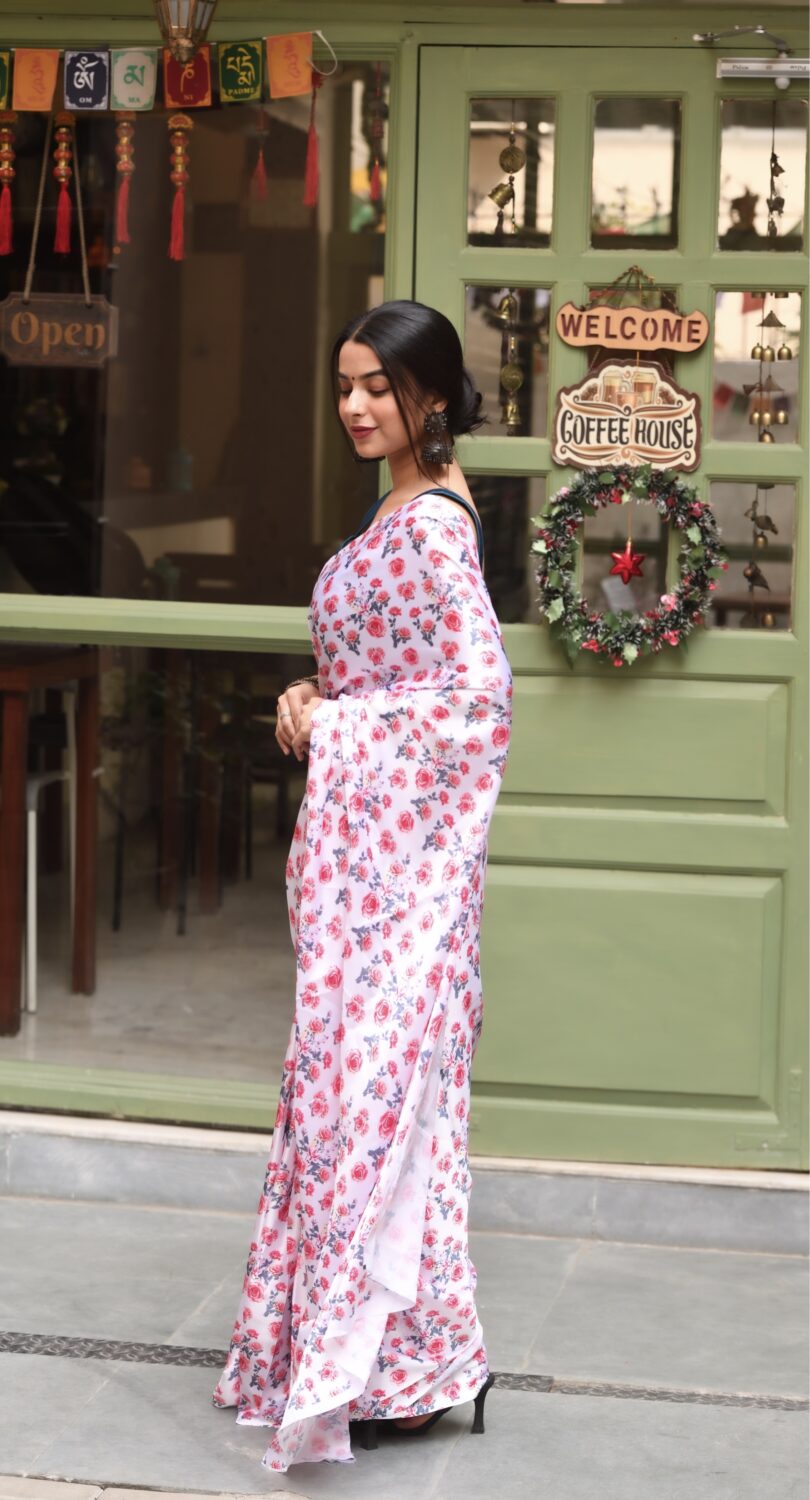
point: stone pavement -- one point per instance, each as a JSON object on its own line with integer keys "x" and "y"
{"x": 626, "y": 1371}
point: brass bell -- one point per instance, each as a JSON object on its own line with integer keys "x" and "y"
{"x": 754, "y": 416}
{"x": 761, "y": 540}
{"x": 502, "y": 194}
{"x": 765, "y": 417}
{"x": 766, "y": 436}
{"x": 756, "y": 353}
{"x": 781, "y": 417}
{"x": 767, "y": 354}
{"x": 768, "y": 620}
{"x": 507, "y": 308}
{"x": 784, "y": 352}
{"x": 512, "y": 416}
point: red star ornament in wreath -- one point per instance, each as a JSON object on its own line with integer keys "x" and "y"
{"x": 628, "y": 563}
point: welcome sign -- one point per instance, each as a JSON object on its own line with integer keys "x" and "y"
{"x": 627, "y": 413}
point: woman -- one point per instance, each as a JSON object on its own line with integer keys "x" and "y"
{"x": 359, "y": 1297}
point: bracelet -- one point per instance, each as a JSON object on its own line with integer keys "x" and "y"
{"x": 299, "y": 682}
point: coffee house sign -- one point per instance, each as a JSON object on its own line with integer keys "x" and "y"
{"x": 628, "y": 410}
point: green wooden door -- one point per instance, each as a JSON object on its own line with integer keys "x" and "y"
{"x": 645, "y": 927}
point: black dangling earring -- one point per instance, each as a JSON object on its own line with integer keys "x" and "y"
{"x": 438, "y": 449}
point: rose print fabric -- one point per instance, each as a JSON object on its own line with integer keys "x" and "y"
{"x": 359, "y": 1294}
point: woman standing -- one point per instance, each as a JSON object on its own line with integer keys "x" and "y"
{"x": 359, "y": 1297}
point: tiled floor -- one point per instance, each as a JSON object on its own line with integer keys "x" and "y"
{"x": 215, "y": 1002}
{"x": 678, "y": 1339}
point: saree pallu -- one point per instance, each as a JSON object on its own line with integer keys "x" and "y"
{"x": 359, "y": 1294}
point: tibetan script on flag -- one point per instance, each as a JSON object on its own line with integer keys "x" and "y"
{"x": 87, "y": 80}
{"x": 134, "y": 76}
{"x": 35, "y": 71}
{"x": 289, "y": 64}
{"x": 240, "y": 72}
{"x": 187, "y": 85}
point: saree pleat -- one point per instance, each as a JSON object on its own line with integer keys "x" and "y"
{"x": 359, "y": 1295}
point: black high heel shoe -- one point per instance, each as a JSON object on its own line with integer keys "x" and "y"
{"x": 366, "y": 1431}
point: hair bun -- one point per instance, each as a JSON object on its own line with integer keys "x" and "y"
{"x": 468, "y": 417}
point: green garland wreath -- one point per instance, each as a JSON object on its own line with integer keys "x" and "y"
{"x": 625, "y": 636}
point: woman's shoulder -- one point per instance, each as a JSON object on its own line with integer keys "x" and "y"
{"x": 450, "y": 520}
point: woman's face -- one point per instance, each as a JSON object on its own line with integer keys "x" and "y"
{"x": 367, "y": 406}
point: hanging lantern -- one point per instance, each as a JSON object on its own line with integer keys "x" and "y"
{"x": 184, "y": 25}
{"x": 124, "y": 168}
{"x": 7, "y": 175}
{"x": 63, "y": 171}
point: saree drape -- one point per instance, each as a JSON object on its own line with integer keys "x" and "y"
{"x": 359, "y": 1294}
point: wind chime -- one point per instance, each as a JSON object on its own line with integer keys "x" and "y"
{"x": 512, "y": 159}
{"x": 511, "y": 375}
{"x": 765, "y": 410}
{"x": 762, "y": 523}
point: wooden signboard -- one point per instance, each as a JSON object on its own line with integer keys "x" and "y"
{"x": 642, "y": 328}
{"x": 58, "y": 330}
{"x": 622, "y": 412}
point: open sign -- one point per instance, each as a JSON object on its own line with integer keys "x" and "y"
{"x": 58, "y": 330}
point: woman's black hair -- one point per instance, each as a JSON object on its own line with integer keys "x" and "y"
{"x": 421, "y": 354}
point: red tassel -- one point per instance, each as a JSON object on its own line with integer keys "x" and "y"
{"x": 312, "y": 172}
{"x": 258, "y": 181}
{"x": 122, "y": 213}
{"x": 6, "y": 245}
{"x": 61, "y": 243}
{"x": 374, "y": 185}
{"x": 176, "y": 243}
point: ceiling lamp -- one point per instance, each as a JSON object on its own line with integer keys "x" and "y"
{"x": 184, "y": 25}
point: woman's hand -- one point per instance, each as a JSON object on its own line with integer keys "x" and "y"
{"x": 294, "y": 714}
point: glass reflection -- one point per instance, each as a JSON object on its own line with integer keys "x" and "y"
{"x": 492, "y": 327}
{"x": 204, "y": 462}
{"x": 508, "y": 202}
{"x": 607, "y": 532}
{"x": 755, "y": 391}
{"x": 751, "y": 130}
{"x": 636, "y": 173}
{"x": 757, "y": 523}
{"x": 506, "y": 504}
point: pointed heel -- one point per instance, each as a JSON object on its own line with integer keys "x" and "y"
{"x": 478, "y": 1419}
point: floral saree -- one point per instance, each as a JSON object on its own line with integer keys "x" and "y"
{"x": 359, "y": 1295}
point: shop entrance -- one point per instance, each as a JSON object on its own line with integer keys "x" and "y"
{"x": 645, "y": 919}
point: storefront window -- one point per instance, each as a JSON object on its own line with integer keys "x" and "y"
{"x": 203, "y": 461}
{"x": 506, "y": 504}
{"x": 636, "y": 173}
{"x": 757, "y": 523}
{"x": 507, "y": 328}
{"x": 753, "y": 130}
{"x": 755, "y": 392}
{"x": 509, "y": 196}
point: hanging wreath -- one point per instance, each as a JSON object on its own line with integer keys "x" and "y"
{"x": 624, "y": 636}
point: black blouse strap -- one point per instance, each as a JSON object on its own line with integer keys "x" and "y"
{"x": 367, "y": 520}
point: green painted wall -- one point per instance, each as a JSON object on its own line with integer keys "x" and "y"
{"x": 646, "y": 920}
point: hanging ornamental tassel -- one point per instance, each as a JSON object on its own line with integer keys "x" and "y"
{"x": 124, "y": 167}
{"x": 377, "y": 128}
{"x": 311, "y": 173}
{"x": 258, "y": 179}
{"x": 7, "y": 174}
{"x": 63, "y": 172}
{"x": 180, "y": 127}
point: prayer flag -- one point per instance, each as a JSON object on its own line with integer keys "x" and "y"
{"x": 240, "y": 72}
{"x": 35, "y": 71}
{"x": 187, "y": 85}
{"x": 134, "y": 76}
{"x": 87, "y": 79}
{"x": 289, "y": 64}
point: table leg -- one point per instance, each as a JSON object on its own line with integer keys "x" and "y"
{"x": 84, "y": 919}
{"x": 12, "y": 857}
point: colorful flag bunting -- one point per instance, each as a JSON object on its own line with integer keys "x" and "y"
{"x": 134, "y": 76}
{"x": 187, "y": 85}
{"x": 240, "y": 72}
{"x": 289, "y": 64}
{"x": 35, "y": 70}
{"x": 87, "y": 79}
